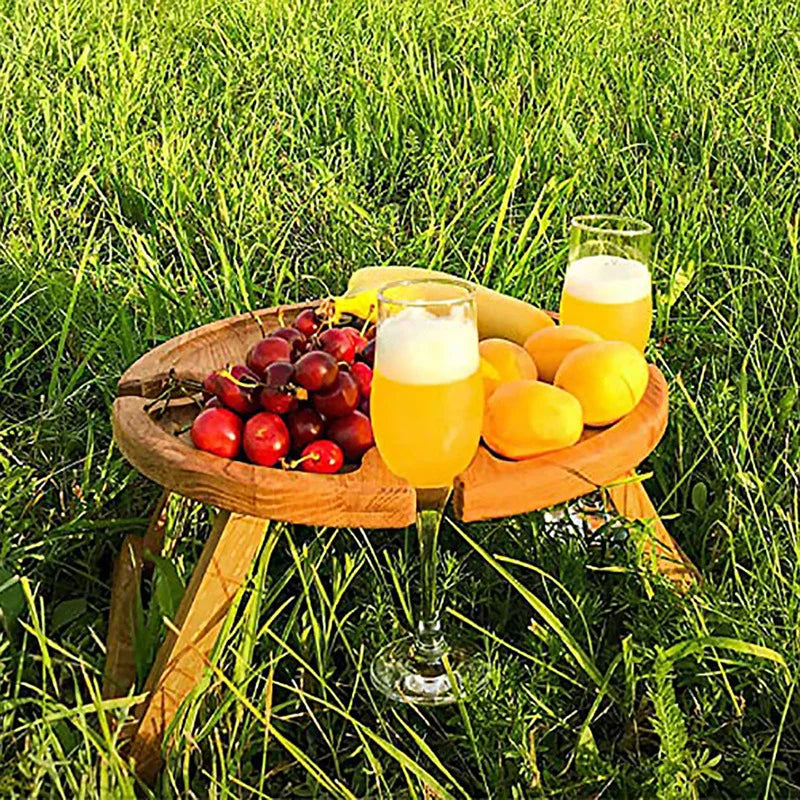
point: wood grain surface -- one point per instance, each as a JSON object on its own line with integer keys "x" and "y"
{"x": 119, "y": 674}
{"x": 370, "y": 496}
{"x": 223, "y": 566}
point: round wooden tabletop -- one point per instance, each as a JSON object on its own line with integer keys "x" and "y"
{"x": 370, "y": 496}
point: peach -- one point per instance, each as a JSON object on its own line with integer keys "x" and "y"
{"x": 608, "y": 379}
{"x": 550, "y": 346}
{"x": 503, "y": 361}
{"x": 525, "y": 418}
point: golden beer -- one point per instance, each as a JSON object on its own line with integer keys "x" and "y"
{"x": 610, "y": 295}
{"x": 427, "y": 411}
{"x": 435, "y": 442}
{"x": 427, "y": 393}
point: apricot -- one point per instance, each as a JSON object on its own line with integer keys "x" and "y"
{"x": 503, "y": 361}
{"x": 525, "y": 418}
{"x": 608, "y": 379}
{"x": 550, "y": 346}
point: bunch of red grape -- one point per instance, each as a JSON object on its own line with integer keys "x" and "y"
{"x": 301, "y": 400}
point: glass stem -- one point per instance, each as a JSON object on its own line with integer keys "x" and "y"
{"x": 429, "y": 643}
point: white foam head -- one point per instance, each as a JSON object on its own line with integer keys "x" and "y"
{"x": 417, "y": 346}
{"x": 607, "y": 279}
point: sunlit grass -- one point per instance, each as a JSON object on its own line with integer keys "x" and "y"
{"x": 163, "y": 165}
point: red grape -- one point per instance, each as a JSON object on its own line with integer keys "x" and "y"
{"x": 339, "y": 344}
{"x": 278, "y": 395}
{"x": 367, "y": 355}
{"x": 363, "y": 374}
{"x": 213, "y": 402}
{"x": 278, "y": 374}
{"x": 353, "y": 433}
{"x": 307, "y": 323}
{"x": 359, "y": 342}
{"x": 363, "y": 405}
{"x": 305, "y": 425}
{"x": 322, "y": 456}
{"x": 277, "y": 401}
{"x": 218, "y": 431}
{"x": 243, "y": 374}
{"x": 340, "y": 398}
{"x": 296, "y": 340}
{"x": 210, "y": 384}
{"x": 316, "y": 370}
{"x": 239, "y": 398}
{"x": 266, "y": 439}
{"x": 267, "y": 351}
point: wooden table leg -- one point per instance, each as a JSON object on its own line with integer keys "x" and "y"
{"x": 119, "y": 675}
{"x": 154, "y": 536}
{"x": 631, "y": 501}
{"x": 222, "y": 568}
{"x": 120, "y": 669}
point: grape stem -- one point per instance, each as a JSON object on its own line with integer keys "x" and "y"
{"x": 287, "y": 465}
{"x": 186, "y": 387}
{"x": 258, "y": 322}
{"x": 326, "y": 310}
{"x": 298, "y": 391}
{"x": 367, "y": 322}
{"x": 225, "y": 373}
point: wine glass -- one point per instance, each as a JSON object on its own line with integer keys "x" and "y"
{"x": 607, "y": 283}
{"x": 427, "y": 409}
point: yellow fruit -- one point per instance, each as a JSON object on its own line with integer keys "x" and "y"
{"x": 499, "y": 316}
{"x": 526, "y": 418}
{"x": 363, "y": 304}
{"x": 549, "y": 347}
{"x": 503, "y": 361}
{"x": 608, "y": 378}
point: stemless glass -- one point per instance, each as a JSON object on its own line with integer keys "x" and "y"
{"x": 607, "y": 289}
{"x": 427, "y": 408}
{"x": 607, "y": 283}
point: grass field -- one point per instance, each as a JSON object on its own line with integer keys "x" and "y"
{"x": 164, "y": 164}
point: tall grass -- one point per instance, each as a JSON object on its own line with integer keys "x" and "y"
{"x": 165, "y": 164}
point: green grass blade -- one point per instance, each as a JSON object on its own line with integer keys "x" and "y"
{"x": 583, "y": 660}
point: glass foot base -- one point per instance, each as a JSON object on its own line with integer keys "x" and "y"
{"x": 585, "y": 516}
{"x": 401, "y": 675}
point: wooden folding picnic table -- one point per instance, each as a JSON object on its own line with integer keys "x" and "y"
{"x": 248, "y": 496}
